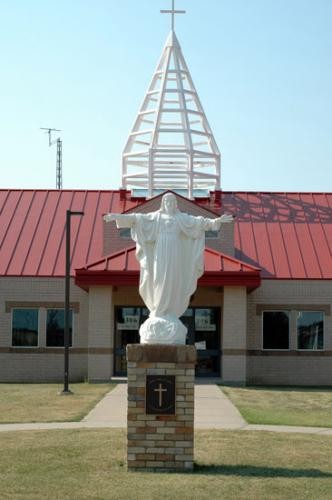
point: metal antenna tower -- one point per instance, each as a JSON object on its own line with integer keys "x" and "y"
{"x": 58, "y": 143}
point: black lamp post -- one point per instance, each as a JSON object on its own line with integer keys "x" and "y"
{"x": 66, "y": 390}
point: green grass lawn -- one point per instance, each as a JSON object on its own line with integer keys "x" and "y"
{"x": 42, "y": 403}
{"x": 90, "y": 464}
{"x": 283, "y": 406}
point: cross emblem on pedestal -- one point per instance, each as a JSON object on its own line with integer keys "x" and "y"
{"x": 160, "y": 390}
{"x": 160, "y": 395}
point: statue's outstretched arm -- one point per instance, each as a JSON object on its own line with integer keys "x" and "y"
{"x": 226, "y": 218}
{"x": 214, "y": 224}
{"x": 122, "y": 220}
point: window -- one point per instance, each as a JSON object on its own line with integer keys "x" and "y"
{"x": 210, "y": 235}
{"x": 125, "y": 232}
{"x": 128, "y": 318}
{"x": 127, "y": 323}
{"x": 206, "y": 321}
{"x": 25, "y": 327}
{"x": 275, "y": 330}
{"x": 55, "y": 327}
{"x": 310, "y": 330}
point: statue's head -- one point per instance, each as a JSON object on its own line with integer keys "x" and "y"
{"x": 169, "y": 204}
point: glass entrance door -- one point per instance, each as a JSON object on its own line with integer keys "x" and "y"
{"x": 203, "y": 325}
{"x": 204, "y": 333}
{"x": 127, "y": 323}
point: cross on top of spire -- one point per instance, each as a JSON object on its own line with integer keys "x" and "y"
{"x": 172, "y": 11}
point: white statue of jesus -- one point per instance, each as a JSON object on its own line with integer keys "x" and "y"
{"x": 170, "y": 251}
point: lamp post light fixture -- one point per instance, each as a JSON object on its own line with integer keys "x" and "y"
{"x": 66, "y": 390}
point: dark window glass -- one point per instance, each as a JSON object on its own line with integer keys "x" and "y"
{"x": 55, "y": 327}
{"x": 310, "y": 330}
{"x": 275, "y": 330}
{"x": 205, "y": 320}
{"x": 209, "y": 235}
{"x": 128, "y": 321}
{"x": 144, "y": 314}
{"x": 25, "y": 327}
{"x": 125, "y": 232}
{"x": 128, "y": 318}
{"x": 206, "y": 331}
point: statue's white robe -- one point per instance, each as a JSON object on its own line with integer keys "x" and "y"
{"x": 170, "y": 251}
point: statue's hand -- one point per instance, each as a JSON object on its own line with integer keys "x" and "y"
{"x": 226, "y": 218}
{"x": 109, "y": 217}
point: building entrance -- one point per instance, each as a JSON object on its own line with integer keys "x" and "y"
{"x": 204, "y": 332}
{"x": 203, "y": 325}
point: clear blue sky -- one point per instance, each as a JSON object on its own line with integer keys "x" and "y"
{"x": 262, "y": 68}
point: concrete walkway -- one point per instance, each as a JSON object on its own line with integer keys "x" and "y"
{"x": 111, "y": 411}
{"x": 213, "y": 410}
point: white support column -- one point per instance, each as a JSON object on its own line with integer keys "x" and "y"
{"x": 101, "y": 333}
{"x": 234, "y": 335}
{"x": 190, "y": 177}
{"x": 150, "y": 174}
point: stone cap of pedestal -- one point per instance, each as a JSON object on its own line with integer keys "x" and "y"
{"x": 161, "y": 353}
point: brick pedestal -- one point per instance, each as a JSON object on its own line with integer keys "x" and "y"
{"x": 160, "y": 442}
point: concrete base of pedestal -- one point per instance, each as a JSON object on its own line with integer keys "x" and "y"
{"x": 160, "y": 442}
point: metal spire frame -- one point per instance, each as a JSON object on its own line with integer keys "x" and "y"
{"x": 171, "y": 145}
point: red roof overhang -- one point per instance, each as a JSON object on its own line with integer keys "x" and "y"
{"x": 122, "y": 269}
{"x": 85, "y": 279}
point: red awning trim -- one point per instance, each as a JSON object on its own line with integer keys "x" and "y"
{"x": 122, "y": 269}
{"x": 85, "y": 279}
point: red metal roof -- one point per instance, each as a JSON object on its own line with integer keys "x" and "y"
{"x": 122, "y": 268}
{"x": 32, "y": 229}
{"x": 287, "y": 235}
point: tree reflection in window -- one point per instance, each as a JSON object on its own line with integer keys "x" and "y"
{"x": 25, "y": 328}
{"x": 310, "y": 330}
{"x": 55, "y": 327}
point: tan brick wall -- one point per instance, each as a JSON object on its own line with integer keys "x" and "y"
{"x": 100, "y": 367}
{"x": 241, "y": 331}
{"x": 161, "y": 442}
{"x": 289, "y": 367}
{"x": 41, "y": 367}
{"x": 234, "y": 369}
{"x": 234, "y": 334}
{"x": 42, "y": 363}
{"x": 226, "y": 243}
{"x": 101, "y": 333}
{"x": 282, "y": 370}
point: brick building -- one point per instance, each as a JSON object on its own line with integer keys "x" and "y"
{"x": 261, "y": 313}
{"x": 262, "y": 310}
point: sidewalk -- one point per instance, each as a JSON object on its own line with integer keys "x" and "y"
{"x": 213, "y": 410}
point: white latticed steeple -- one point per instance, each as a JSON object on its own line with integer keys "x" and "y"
{"x": 171, "y": 145}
